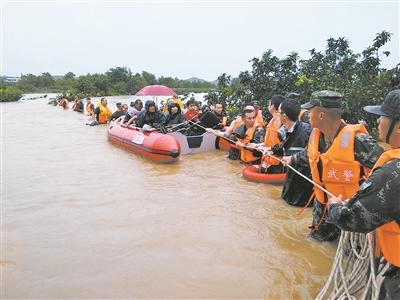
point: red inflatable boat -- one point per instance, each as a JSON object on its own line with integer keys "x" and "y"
{"x": 253, "y": 173}
{"x": 153, "y": 145}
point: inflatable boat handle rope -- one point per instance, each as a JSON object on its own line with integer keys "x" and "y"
{"x": 284, "y": 163}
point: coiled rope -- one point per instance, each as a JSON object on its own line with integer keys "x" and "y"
{"x": 353, "y": 272}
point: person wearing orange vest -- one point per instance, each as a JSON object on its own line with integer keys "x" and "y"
{"x": 259, "y": 117}
{"x": 296, "y": 190}
{"x": 274, "y": 134}
{"x": 338, "y": 155}
{"x": 234, "y": 151}
{"x": 89, "y": 107}
{"x": 248, "y": 134}
{"x": 102, "y": 112}
{"x": 376, "y": 205}
{"x": 244, "y": 131}
{"x": 223, "y": 118}
{"x": 192, "y": 111}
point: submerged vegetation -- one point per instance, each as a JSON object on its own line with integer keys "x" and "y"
{"x": 10, "y": 93}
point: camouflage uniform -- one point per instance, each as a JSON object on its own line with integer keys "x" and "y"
{"x": 377, "y": 202}
{"x": 366, "y": 152}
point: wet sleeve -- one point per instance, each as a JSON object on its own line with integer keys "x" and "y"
{"x": 97, "y": 112}
{"x": 278, "y": 149}
{"x": 140, "y": 120}
{"x": 300, "y": 159}
{"x": 259, "y": 135}
{"x": 366, "y": 150}
{"x": 161, "y": 120}
{"x": 377, "y": 202}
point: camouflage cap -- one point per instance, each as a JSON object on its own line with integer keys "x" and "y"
{"x": 255, "y": 103}
{"x": 389, "y": 108}
{"x": 326, "y": 99}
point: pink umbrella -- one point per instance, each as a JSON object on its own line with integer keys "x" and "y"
{"x": 156, "y": 90}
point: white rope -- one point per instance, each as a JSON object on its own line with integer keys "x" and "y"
{"x": 353, "y": 271}
{"x": 343, "y": 284}
{"x": 274, "y": 157}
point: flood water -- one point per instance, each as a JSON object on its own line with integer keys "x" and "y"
{"x": 82, "y": 218}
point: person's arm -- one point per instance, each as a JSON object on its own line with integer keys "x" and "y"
{"x": 96, "y": 113}
{"x": 139, "y": 120}
{"x": 259, "y": 135}
{"x": 377, "y": 202}
{"x": 366, "y": 150}
{"x": 113, "y": 116}
{"x": 278, "y": 149}
{"x": 161, "y": 120}
{"x": 132, "y": 119}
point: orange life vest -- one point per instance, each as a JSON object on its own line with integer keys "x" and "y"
{"x": 236, "y": 123}
{"x": 270, "y": 140}
{"x": 105, "y": 112}
{"x": 191, "y": 116}
{"x": 223, "y": 120}
{"x": 388, "y": 235}
{"x": 259, "y": 119}
{"x": 247, "y": 155}
{"x": 340, "y": 171}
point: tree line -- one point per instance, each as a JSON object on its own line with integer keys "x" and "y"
{"x": 358, "y": 76}
{"x": 115, "y": 81}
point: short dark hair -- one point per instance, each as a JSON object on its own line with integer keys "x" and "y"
{"x": 291, "y": 108}
{"x": 332, "y": 113}
{"x": 276, "y": 100}
{"x": 247, "y": 111}
{"x": 190, "y": 101}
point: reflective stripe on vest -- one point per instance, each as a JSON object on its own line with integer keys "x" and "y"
{"x": 340, "y": 171}
{"x": 295, "y": 149}
{"x": 388, "y": 235}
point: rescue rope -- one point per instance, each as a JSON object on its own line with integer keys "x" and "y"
{"x": 353, "y": 268}
{"x": 353, "y": 271}
{"x": 274, "y": 157}
{"x": 300, "y": 174}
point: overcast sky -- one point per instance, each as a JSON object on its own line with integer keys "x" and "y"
{"x": 180, "y": 39}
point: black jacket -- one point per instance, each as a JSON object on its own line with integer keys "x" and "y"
{"x": 296, "y": 190}
{"x": 155, "y": 119}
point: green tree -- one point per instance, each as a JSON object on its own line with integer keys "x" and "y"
{"x": 69, "y": 76}
{"x": 149, "y": 78}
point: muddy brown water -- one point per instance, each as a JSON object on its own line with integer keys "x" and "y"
{"x": 82, "y": 218}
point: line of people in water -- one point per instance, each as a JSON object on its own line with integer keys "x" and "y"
{"x": 314, "y": 139}
{"x": 342, "y": 158}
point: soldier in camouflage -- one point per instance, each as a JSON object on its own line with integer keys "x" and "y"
{"x": 377, "y": 202}
{"x": 325, "y": 114}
